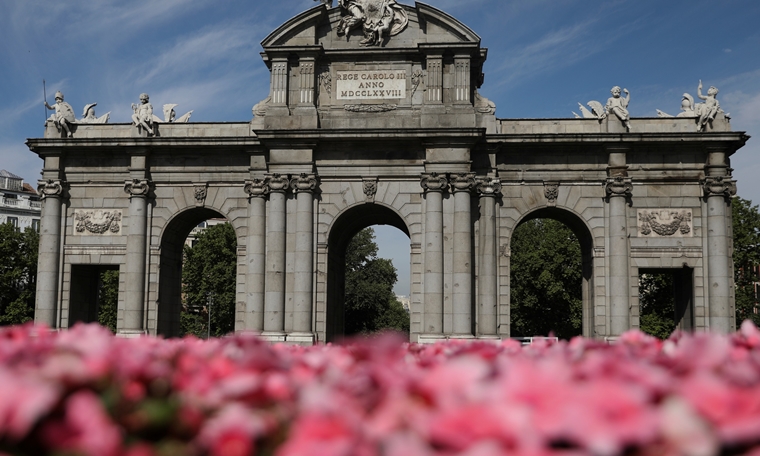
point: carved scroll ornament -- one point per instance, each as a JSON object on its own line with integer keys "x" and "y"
{"x": 618, "y": 186}
{"x": 137, "y": 187}
{"x": 304, "y": 182}
{"x": 98, "y": 222}
{"x": 463, "y": 182}
{"x": 665, "y": 222}
{"x": 434, "y": 182}
{"x": 256, "y": 188}
{"x": 488, "y": 186}
{"x": 50, "y": 187}
{"x": 719, "y": 186}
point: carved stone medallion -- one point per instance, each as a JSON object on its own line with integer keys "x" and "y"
{"x": 199, "y": 192}
{"x": 101, "y": 222}
{"x": 369, "y": 186}
{"x": 551, "y": 192}
{"x": 665, "y": 223}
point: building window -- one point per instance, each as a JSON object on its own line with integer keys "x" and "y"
{"x": 13, "y": 221}
{"x": 36, "y": 225}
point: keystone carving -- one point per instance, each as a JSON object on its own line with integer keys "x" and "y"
{"x": 199, "y": 192}
{"x": 665, "y": 222}
{"x": 551, "y": 192}
{"x": 98, "y": 221}
{"x": 719, "y": 186}
{"x": 488, "y": 186}
{"x": 304, "y": 183}
{"x": 434, "y": 182}
{"x": 50, "y": 187}
{"x": 618, "y": 186}
{"x": 369, "y": 186}
{"x": 463, "y": 182}
{"x": 137, "y": 187}
{"x": 256, "y": 188}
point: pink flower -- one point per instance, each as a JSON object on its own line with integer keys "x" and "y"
{"x": 24, "y": 400}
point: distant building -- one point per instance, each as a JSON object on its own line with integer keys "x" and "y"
{"x": 19, "y": 202}
{"x": 192, "y": 238}
{"x": 405, "y": 301}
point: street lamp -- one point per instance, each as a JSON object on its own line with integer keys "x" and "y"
{"x": 209, "y": 302}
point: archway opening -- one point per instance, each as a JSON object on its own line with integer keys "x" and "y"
{"x": 94, "y": 294}
{"x": 360, "y": 282}
{"x": 666, "y": 300}
{"x": 196, "y": 289}
{"x": 551, "y": 271}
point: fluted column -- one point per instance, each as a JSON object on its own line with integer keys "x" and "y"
{"x": 48, "y": 261}
{"x": 257, "y": 190}
{"x": 304, "y": 186}
{"x": 434, "y": 184}
{"x": 134, "y": 273}
{"x": 718, "y": 188}
{"x": 462, "y": 184}
{"x": 274, "y": 304}
{"x": 618, "y": 188}
{"x": 488, "y": 189}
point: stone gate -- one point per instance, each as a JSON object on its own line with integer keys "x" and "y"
{"x": 374, "y": 117}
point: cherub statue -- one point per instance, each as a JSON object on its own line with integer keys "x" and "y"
{"x": 88, "y": 115}
{"x": 619, "y": 106}
{"x": 143, "y": 114}
{"x": 706, "y": 111}
{"x": 64, "y": 114}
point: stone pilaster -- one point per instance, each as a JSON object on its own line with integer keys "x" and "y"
{"x": 434, "y": 184}
{"x": 462, "y": 79}
{"x": 304, "y": 186}
{"x": 718, "y": 188}
{"x": 257, "y": 191}
{"x": 279, "y": 82}
{"x": 274, "y": 304}
{"x": 134, "y": 274}
{"x": 434, "y": 79}
{"x": 488, "y": 188}
{"x": 48, "y": 271}
{"x": 618, "y": 188}
{"x": 462, "y": 185}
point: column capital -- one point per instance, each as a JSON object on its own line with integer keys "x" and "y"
{"x": 137, "y": 187}
{"x": 434, "y": 182}
{"x": 463, "y": 182}
{"x": 618, "y": 186}
{"x": 304, "y": 183}
{"x": 277, "y": 183}
{"x": 488, "y": 186}
{"x": 256, "y": 188}
{"x": 51, "y": 188}
{"x": 719, "y": 186}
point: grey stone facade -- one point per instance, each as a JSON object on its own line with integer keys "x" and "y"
{"x": 325, "y": 157}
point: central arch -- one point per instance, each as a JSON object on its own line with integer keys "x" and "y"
{"x": 342, "y": 231}
{"x": 586, "y": 240}
{"x": 170, "y": 269}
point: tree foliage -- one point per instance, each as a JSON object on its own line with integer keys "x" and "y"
{"x": 208, "y": 277}
{"x": 370, "y": 304}
{"x": 546, "y": 280}
{"x": 108, "y": 298}
{"x": 746, "y": 235}
{"x": 18, "y": 274}
{"x": 657, "y": 304}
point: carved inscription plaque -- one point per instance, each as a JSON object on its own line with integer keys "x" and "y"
{"x": 371, "y": 85}
{"x": 665, "y": 223}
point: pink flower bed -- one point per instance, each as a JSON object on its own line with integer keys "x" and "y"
{"x": 84, "y": 391}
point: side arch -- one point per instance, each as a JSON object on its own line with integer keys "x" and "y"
{"x": 173, "y": 236}
{"x": 342, "y": 229}
{"x": 585, "y": 237}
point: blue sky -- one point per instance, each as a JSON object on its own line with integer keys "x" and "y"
{"x": 544, "y": 57}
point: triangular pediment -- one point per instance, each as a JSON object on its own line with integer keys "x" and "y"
{"x": 321, "y": 26}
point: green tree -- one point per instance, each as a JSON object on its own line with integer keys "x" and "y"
{"x": 370, "y": 303}
{"x": 18, "y": 274}
{"x": 657, "y": 304}
{"x": 746, "y": 236}
{"x": 108, "y": 297}
{"x": 546, "y": 280}
{"x": 208, "y": 276}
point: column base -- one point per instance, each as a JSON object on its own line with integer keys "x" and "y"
{"x": 273, "y": 336}
{"x": 611, "y": 339}
{"x": 489, "y": 338}
{"x": 305, "y": 339}
{"x": 461, "y": 337}
{"x": 131, "y": 333}
{"x": 430, "y": 338}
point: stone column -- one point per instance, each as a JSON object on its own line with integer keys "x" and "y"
{"x": 434, "y": 184}
{"x": 303, "y": 186}
{"x": 134, "y": 274}
{"x": 48, "y": 262}
{"x": 274, "y": 303}
{"x": 618, "y": 188}
{"x": 718, "y": 188}
{"x": 257, "y": 190}
{"x": 489, "y": 189}
{"x": 462, "y": 184}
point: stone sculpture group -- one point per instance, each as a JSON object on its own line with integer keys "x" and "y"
{"x": 142, "y": 117}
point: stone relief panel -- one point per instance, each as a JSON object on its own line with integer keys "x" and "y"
{"x": 100, "y": 222}
{"x": 665, "y": 223}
